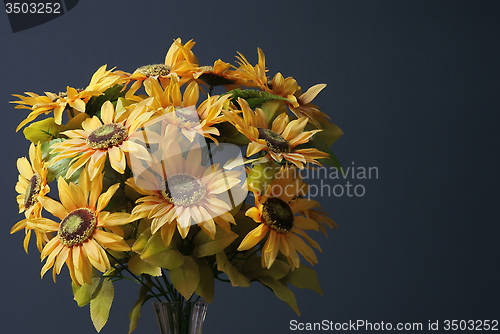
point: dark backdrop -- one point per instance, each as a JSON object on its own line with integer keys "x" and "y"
{"x": 413, "y": 84}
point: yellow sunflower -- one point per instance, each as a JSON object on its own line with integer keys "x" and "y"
{"x": 32, "y": 185}
{"x": 180, "y": 192}
{"x": 85, "y": 230}
{"x": 98, "y": 140}
{"x": 276, "y": 212}
{"x": 252, "y": 76}
{"x": 74, "y": 98}
{"x": 181, "y": 110}
{"x": 280, "y": 141}
{"x": 180, "y": 62}
{"x": 299, "y": 104}
{"x": 304, "y": 106}
{"x": 219, "y": 74}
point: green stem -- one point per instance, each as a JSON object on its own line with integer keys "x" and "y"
{"x": 131, "y": 273}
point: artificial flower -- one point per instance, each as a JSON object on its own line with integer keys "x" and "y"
{"x": 76, "y": 99}
{"x": 182, "y": 111}
{"x": 98, "y": 140}
{"x": 280, "y": 225}
{"x": 281, "y": 141}
{"x": 180, "y": 63}
{"x": 180, "y": 192}
{"x": 85, "y": 231}
{"x": 31, "y": 185}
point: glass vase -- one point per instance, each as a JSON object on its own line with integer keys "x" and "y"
{"x": 180, "y": 317}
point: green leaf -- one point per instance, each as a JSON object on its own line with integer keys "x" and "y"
{"x": 330, "y": 134}
{"x": 59, "y": 168}
{"x": 206, "y": 287}
{"x": 236, "y": 278}
{"x": 42, "y": 131}
{"x": 304, "y": 278}
{"x": 281, "y": 291}
{"x": 272, "y": 109}
{"x": 100, "y": 304}
{"x": 205, "y": 246}
{"x": 111, "y": 94}
{"x": 255, "y": 98}
{"x": 135, "y": 312}
{"x": 253, "y": 269}
{"x": 157, "y": 254}
{"x": 75, "y": 122}
{"x": 229, "y": 134}
{"x": 185, "y": 278}
{"x": 139, "y": 267}
{"x": 83, "y": 294}
{"x": 324, "y": 140}
{"x": 261, "y": 175}
{"x": 141, "y": 241}
{"x": 121, "y": 105}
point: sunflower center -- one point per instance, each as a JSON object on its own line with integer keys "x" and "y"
{"x": 188, "y": 114}
{"x": 275, "y": 142}
{"x": 278, "y": 214}
{"x": 154, "y": 70}
{"x": 183, "y": 189}
{"x": 32, "y": 190}
{"x": 107, "y": 136}
{"x": 77, "y": 227}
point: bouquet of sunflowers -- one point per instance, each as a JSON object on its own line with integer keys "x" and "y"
{"x": 133, "y": 177}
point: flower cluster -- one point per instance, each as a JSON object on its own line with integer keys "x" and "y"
{"x": 162, "y": 181}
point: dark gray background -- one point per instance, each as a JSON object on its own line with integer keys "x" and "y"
{"x": 413, "y": 84}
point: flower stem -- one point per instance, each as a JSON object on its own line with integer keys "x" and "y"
{"x": 131, "y": 273}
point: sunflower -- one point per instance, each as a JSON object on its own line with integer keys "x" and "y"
{"x": 180, "y": 192}
{"x": 32, "y": 185}
{"x": 82, "y": 239}
{"x": 252, "y": 76}
{"x": 181, "y": 110}
{"x": 280, "y": 141}
{"x": 180, "y": 62}
{"x": 299, "y": 104}
{"x": 276, "y": 211}
{"x": 97, "y": 141}
{"x": 74, "y": 98}
{"x": 304, "y": 106}
{"x": 219, "y": 74}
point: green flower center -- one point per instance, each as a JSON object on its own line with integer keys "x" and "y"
{"x": 278, "y": 214}
{"x": 275, "y": 142}
{"x": 107, "y": 136}
{"x": 32, "y": 190}
{"x": 77, "y": 227}
{"x": 183, "y": 189}
{"x": 154, "y": 70}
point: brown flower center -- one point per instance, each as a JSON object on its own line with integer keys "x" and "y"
{"x": 275, "y": 142}
{"x": 183, "y": 189}
{"x": 32, "y": 190}
{"x": 77, "y": 227}
{"x": 154, "y": 70}
{"x": 107, "y": 136}
{"x": 278, "y": 214}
